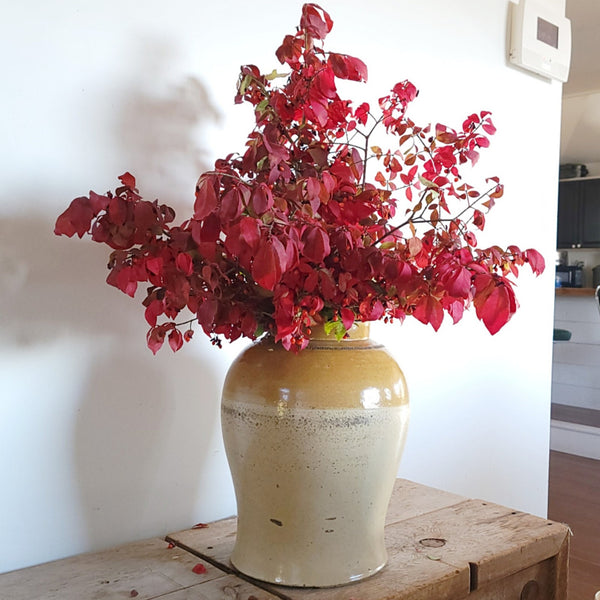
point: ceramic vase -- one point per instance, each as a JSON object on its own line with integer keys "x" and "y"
{"x": 313, "y": 442}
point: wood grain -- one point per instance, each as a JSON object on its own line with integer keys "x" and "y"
{"x": 144, "y": 570}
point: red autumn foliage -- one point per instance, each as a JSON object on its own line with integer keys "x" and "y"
{"x": 292, "y": 231}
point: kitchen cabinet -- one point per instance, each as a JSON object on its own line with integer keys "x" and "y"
{"x": 579, "y": 214}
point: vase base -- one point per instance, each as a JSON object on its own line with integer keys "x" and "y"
{"x": 308, "y": 582}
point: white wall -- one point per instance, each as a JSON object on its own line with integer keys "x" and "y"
{"x": 102, "y": 443}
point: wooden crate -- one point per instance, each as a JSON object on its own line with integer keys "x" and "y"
{"x": 441, "y": 547}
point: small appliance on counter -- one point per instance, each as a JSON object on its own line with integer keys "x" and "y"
{"x": 569, "y": 276}
{"x": 570, "y": 171}
{"x": 562, "y": 257}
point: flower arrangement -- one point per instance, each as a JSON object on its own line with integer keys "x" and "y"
{"x": 292, "y": 232}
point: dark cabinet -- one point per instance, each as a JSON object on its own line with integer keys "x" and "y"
{"x": 579, "y": 214}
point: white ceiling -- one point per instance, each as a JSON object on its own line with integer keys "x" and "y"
{"x": 584, "y": 74}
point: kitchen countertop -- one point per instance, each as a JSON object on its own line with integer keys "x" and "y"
{"x": 565, "y": 291}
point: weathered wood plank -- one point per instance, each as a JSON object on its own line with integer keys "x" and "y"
{"x": 411, "y": 499}
{"x": 531, "y": 583}
{"x": 228, "y": 587}
{"x": 493, "y": 541}
{"x": 215, "y": 541}
{"x": 149, "y": 567}
{"x": 561, "y": 568}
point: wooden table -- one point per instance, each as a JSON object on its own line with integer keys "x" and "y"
{"x": 441, "y": 547}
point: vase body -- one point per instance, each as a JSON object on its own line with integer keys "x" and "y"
{"x": 313, "y": 442}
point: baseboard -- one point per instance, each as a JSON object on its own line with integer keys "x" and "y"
{"x": 573, "y": 438}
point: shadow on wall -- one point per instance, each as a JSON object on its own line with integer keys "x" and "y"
{"x": 143, "y": 438}
{"x": 156, "y": 134}
{"x": 146, "y": 428}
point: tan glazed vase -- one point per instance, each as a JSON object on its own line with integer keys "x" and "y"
{"x": 313, "y": 441}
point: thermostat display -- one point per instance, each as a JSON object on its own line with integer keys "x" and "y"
{"x": 547, "y": 32}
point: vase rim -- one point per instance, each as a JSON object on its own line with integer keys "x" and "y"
{"x": 358, "y": 331}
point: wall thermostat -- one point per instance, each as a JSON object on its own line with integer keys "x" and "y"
{"x": 540, "y": 39}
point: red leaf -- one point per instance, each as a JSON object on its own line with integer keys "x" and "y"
{"x": 497, "y": 308}
{"x": 362, "y": 113}
{"x": 536, "y": 261}
{"x": 445, "y": 135}
{"x": 316, "y": 244}
{"x": 199, "y": 569}
{"x": 128, "y": 180}
{"x": 488, "y": 127}
{"x": 262, "y": 199}
{"x": 76, "y": 219}
{"x": 207, "y": 311}
{"x": 231, "y": 205}
{"x": 429, "y": 310}
{"x": 125, "y": 281}
{"x": 290, "y": 49}
{"x": 314, "y": 193}
{"x": 175, "y": 340}
{"x": 405, "y": 91}
{"x": 347, "y": 318}
{"x": 200, "y": 526}
{"x": 470, "y": 238}
{"x": 315, "y": 21}
{"x": 98, "y": 203}
{"x": 347, "y": 67}
{"x": 266, "y": 266}
{"x": 154, "y": 265}
{"x": 250, "y": 231}
{"x": 456, "y": 310}
{"x": 153, "y": 310}
{"x": 371, "y": 311}
{"x": 185, "y": 263}
{"x": 415, "y": 245}
{"x": 206, "y": 197}
{"x": 478, "y": 219}
{"x": 457, "y": 281}
{"x": 155, "y": 339}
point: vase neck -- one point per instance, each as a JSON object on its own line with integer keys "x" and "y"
{"x": 358, "y": 331}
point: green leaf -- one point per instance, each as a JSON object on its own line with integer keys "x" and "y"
{"x": 336, "y": 328}
{"x": 262, "y": 106}
{"x": 274, "y": 75}
{"x": 260, "y": 165}
{"x": 387, "y": 245}
{"x": 244, "y": 84}
{"x": 426, "y": 182}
